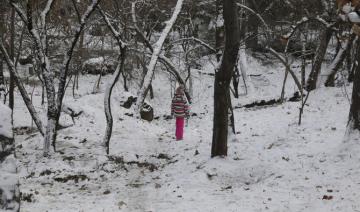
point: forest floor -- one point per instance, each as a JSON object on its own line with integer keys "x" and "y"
{"x": 273, "y": 164}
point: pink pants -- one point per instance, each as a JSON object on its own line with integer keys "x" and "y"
{"x": 179, "y": 128}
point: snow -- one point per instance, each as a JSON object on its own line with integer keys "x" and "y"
{"x": 354, "y": 17}
{"x": 87, "y": 13}
{"x": 273, "y": 164}
{"x": 8, "y": 182}
{"x": 8, "y": 177}
{"x": 5, "y": 121}
{"x": 347, "y": 8}
{"x": 44, "y": 14}
{"x": 95, "y": 61}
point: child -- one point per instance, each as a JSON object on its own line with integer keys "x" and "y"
{"x": 179, "y": 109}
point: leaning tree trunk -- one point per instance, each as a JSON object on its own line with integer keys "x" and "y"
{"x": 319, "y": 57}
{"x": 223, "y": 78}
{"x": 339, "y": 60}
{"x": 354, "y": 115}
{"x": 155, "y": 56}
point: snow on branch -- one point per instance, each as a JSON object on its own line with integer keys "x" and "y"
{"x": 268, "y": 30}
{"x": 273, "y": 51}
{"x": 157, "y": 50}
{"x": 45, "y": 12}
{"x": 304, "y": 21}
{"x": 137, "y": 29}
{"x": 115, "y": 33}
{"x": 197, "y": 40}
{"x": 113, "y": 81}
{"x": 27, "y": 19}
{"x": 162, "y": 57}
{"x": 173, "y": 70}
{"x": 287, "y": 66}
{"x": 20, "y": 12}
{"x": 68, "y": 55}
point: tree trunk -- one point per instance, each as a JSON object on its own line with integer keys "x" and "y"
{"x": 2, "y": 81}
{"x": 151, "y": 91}
{"x": 235, "y": 80}
{"x": 50, "y": 134}
{"x": 2, "y": 78}
{"x": 12, "y": 56}
{"x": 219, "y": 30}
{"x": 155, "y": 56}
{"x": 339, "y": 60}
{"x": 231, "y": 114}
{"x": 23, "y": 92}
{"x": 52, "y": 114}
{"x": 223, "y": 78}
{"x": 354, "y": 115}
{"x": 125, "y": 82}
{"x": 107, "y": 100}
{"x": 252, "y": 27}
{"x": 319, "y": 57}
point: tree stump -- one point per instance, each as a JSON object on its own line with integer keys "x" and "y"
{"x": 147, "y": 112}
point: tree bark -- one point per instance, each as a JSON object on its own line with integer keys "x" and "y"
{"x": 107, "y": 100}
{"x": 354, "y": 115}
{"x": 119, "y": 70}
{"x": 223, "y": 78}
{"x": 319, "y": 57}
{"x": 2, "y": 78}
{"x": 252, "y": 27}
{"x": 2, "y": 81}
{"x": 339, "y": 61}
{"x": 219, "y": 30}
{"x": 12, "y": 55}
{"x": 22, "y": 90}
{"x": 155, "y": 56}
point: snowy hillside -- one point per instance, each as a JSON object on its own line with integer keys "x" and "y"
{"x": 272, "y": 165}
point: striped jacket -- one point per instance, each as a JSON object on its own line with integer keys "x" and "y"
{"x": 179, "y": 106}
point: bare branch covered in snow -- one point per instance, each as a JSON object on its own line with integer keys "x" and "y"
{"x": 304, "y": 21}
{"x": 115, "y": 33}
{"x": 287, "y": 66}
{"x": 68, "y": 56}
{"x": 22, "y": 90}
{"x": 156, "y": 52}
{"x": 197, "y": 40}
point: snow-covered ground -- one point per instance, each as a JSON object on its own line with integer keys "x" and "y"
{"x": 273, "y": 164}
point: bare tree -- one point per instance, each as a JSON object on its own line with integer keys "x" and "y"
{"x": 354, "y": 118}
{"x": 155, "y": 56}
{"x": 119, "y": 69}
{"x": 39, "y": 38}
{"x": 345, "y": 48}
{"x": 325, "y": 37}
{"x": 12, "y": 55}
{"x": 223, "y": 78}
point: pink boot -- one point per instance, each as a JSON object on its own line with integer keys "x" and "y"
{"x": 179, "y": 128}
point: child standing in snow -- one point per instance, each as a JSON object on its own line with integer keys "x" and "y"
{"x": 179, "y": 109}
